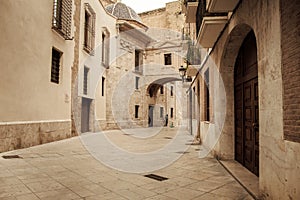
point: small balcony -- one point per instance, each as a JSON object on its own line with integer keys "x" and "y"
{"x": 219, "y": 6}
{"x": 209, "y": 25}
{"x": 190, "y": 10}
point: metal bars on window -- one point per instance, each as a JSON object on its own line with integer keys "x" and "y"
{"x": 62, "y": 18}
{"x": 55, "y": 65}
{"x": 89, "y": 29}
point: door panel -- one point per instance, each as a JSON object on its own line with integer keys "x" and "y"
{"x": 246, "y": 106}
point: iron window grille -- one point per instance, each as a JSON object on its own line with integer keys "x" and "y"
{"x": 85, "y": 80}
{"x": 62, "y": 18}
{"x": 89, "y": 29}
{"x": 55, "y": 65}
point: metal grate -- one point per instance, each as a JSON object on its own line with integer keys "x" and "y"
{"x": 156, "y": 177}
{"x": 11, "y": 156}
{"x": 89, "y": 29}
{"x": 62, "y": 17}
{"x": 85, "y": 80}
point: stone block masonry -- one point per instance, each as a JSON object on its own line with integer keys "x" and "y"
{"x": 23, "y": 135}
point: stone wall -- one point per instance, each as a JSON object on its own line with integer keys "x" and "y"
{"x": 279, "y": 159}
{"x": 169, "y": 17}
{"x": 27, "y": 134}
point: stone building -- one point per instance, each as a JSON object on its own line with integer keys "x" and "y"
{"x": 37, "y": 53}
{"x": 247, "y": 89}
{"x": 71, "y": 81}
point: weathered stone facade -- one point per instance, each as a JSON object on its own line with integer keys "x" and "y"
{"x": 276, "y": 57}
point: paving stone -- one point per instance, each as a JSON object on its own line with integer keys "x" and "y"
{"x": 79, "y": 176}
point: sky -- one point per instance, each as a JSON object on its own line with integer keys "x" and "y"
{"x": 145, "y": 5}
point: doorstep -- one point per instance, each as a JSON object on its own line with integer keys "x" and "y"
{"x": 248, "y": 180}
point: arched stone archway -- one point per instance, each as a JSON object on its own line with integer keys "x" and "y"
{"x": 230, "y": 53}
{"x": 159, "y": 102}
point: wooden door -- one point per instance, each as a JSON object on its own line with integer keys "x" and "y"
{"x": 246, "y": 106}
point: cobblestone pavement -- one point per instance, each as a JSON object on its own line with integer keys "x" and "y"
{"x": 66, "y": 170}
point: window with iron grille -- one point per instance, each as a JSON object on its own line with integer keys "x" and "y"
{"x": 168, "y": 59}
{"x": 89, "y": 29}
{"x": 105, "y": 47}
{"x": 85, "y": 80}
{"x": 172, "y": 114}
{"x": 136, "y": 111}
{"x": 55, "y": 65}
{"x": 62, "y": 17}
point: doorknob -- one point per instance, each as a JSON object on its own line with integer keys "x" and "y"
{"x": 255, "y": 125}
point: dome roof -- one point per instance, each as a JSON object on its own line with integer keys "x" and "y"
{"x": 121, "y": 11}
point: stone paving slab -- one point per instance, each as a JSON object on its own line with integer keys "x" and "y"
{"x": 66, "y": 170}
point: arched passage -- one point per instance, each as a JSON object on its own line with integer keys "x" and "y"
{"x": 161, "y": 101}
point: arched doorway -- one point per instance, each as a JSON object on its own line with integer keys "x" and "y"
{"x": 246, "y": 105}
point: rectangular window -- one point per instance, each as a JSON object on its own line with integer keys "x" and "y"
{"x": 105, "y": 48}
{"x": 207, "y": 102}
{"x": 138, "y": 60}
{"x": 103, "y": 86}
{"x": 168, "y": 59}
{"x": 171, "y": 112}
{"x": 62, "y": 17}
{"x": 89, "y": 29}
{"x": 136, "y": 112}
{"x": 161, "y": 112}
{"x": 137, "y": 82}
{"x": 85, "y": 80}
{"x": 162, "y": 89}
{"x": 171, "y": 91}
{"x": 55, "y": 65}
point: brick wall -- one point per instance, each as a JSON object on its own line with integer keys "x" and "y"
{"x": 290, "y": 43}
